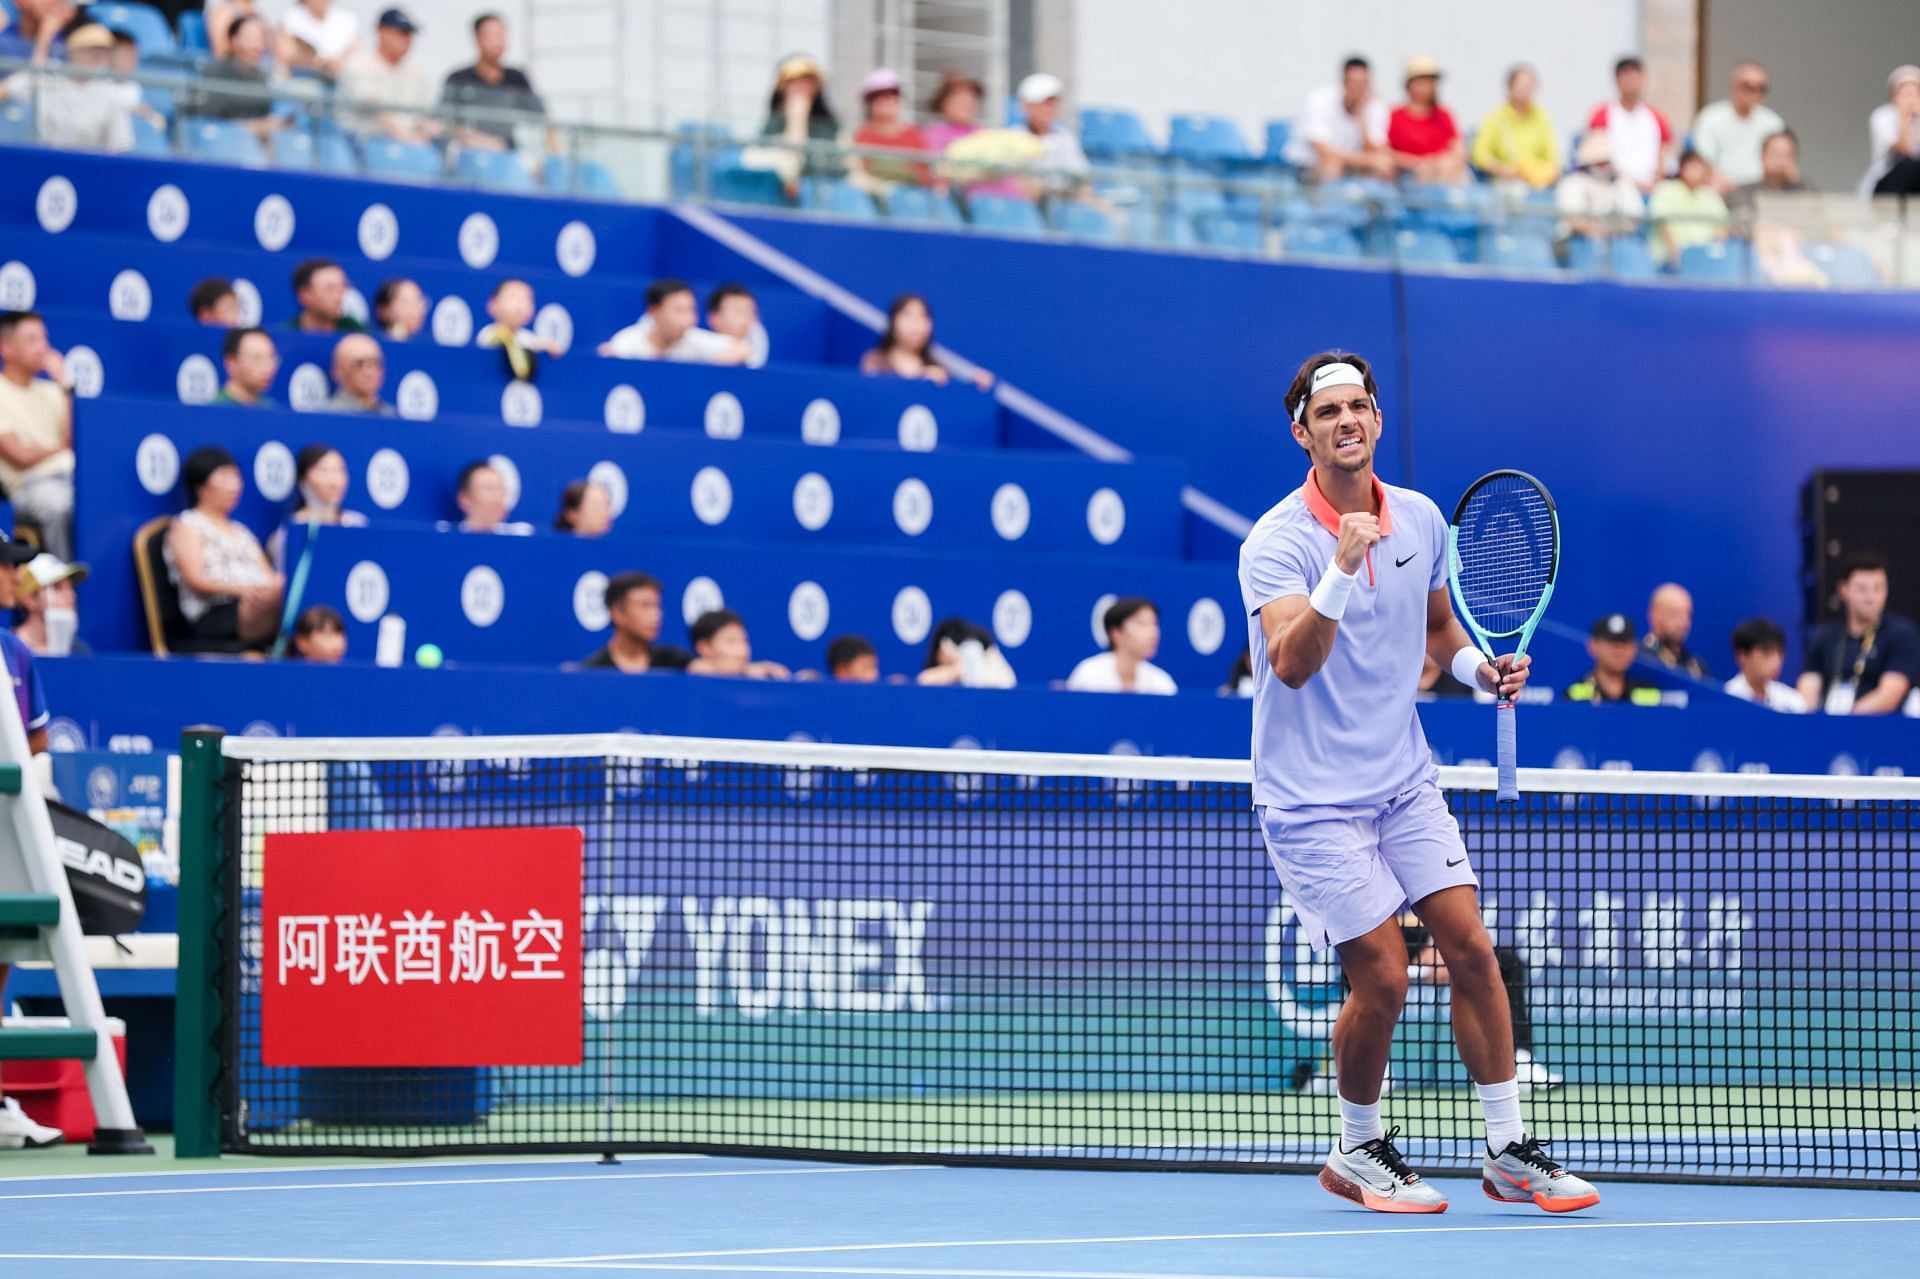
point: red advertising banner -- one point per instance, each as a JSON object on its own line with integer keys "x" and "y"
{"x": 422, "y": 948}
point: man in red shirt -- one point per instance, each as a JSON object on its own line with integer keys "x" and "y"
{"x": 1422, "y": 135}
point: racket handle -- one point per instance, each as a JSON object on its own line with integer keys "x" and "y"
{"x": 1506, "y": 752}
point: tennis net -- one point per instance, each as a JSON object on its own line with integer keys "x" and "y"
{"x": 874, "y": 953}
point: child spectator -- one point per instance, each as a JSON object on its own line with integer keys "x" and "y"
{"x": 962, "y": 653}
{"x": 1133, "y": 638}
{"x": 586, "y": 510}
{"x": 720, "y": 647}
{"x": 733, "y": 312}
{"x": 1759, "y": 650}
{"x": 89, "y": 113}
{"x": 124, "y": 59}
{"x": 887, "y": 126}
{"x": 512, "y": 309}
{"x": 670, "y": 331}
{"x": 399, "y": 310}
{"x": 851, "y": 660}
{"x": 320, "y": 635}
{"x": 1686, "y": 211}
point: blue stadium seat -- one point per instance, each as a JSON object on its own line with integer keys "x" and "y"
{"x": 1723, "y": 260}
{"x": 1847, "y": 266}
{"x": 1279, "y": 134}
{"x": 338, "y": 154}
{"x": 841, "y": 199}
{"x": 16, "y": 122}
{"x": 922, "y": 205}
{"x": 1228, "y": 230}
{"x": 224, "y": 141}
{"x": 1084, "y": 222}
{"x": 1519, "y": 252}
{"x": 1005, "y": 213}
{"x": 494, "y": 170}
{"x": 1320, "y": 240}
{"x": 385, "y": 158}
{"x": 147, "y": 138}
{"x": 584, "y": 177}
{"x": 1208, "y": 141}
{"x": 327, "y": 150}
{"x": 1111, "y": 135}
{"x": 146, "y": 24}
{"x": 1422, "y": 246}
{"x": 700, "y": 140}
{"x": 192, "y": 26}
{"x": 734, "y": 185}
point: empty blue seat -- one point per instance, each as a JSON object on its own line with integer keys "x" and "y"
{"x": 147, "y": 138}
{"x": 1320, "y": 240}
{"x": 838, "y": 198}
{"x": 146, "y": 24}
{"x": 327, "y": 150}
{"x": 192, "y": 27}
{"x": 386, "y": 158}
{"x": 1005, "y": 213}
{"x": 583, "y": 177}
{"x": 1279, "y": 134}
{"x": 1228, "y": 230}
{"x": 494, "y": 170}
{"x": 922, "y": 205}
{"x": 1114, "y": 135}
{"x": 16, "y": 122}
{"x": 1206, "y": 140}
{"x": 1423, "y": 246}
{"x": 1519, "y": 252}
{"x": 225, "y": 141}
{"x": 1723, "y": 260}
{"x": 1084, "y": 222}
{"x": 701, "y": 142}
{"x": 734, "y": 185}
{"x": 1847, "y": 266}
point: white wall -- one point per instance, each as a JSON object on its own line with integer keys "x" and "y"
{"x": 1255, "y": 60}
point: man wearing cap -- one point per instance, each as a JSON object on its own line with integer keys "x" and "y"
{"x": 1062, "y": 162}
{"x": 47, "y": 597}
{"x": 1612, "y": 647}
{"x": 1893, "y": 137}
{"x": 1343, "y": 129}
{"x": 1345, "y": 588}
{"x": 383, "y": 75}
{"x": 491, "y": 84}
{"x": 1642, "y": 138}
{"x": 1593, "y": 200}
{"x": 84, "y": 113}
{"x": 1424, "y": 139}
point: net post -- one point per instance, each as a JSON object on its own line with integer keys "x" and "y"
{"x": 198, "y": 1006}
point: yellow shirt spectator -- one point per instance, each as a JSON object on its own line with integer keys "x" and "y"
{"x": 1516, "y": 139}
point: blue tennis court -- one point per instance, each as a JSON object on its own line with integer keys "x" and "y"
{"x": 698, "y": 1216}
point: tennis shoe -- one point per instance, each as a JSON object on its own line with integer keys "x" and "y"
{"x": 1534, "y": 1075}
{"x": 17, "y": 1130}
{"x": 1522, "y": 1173}
{"x": 1375, "y": 1176}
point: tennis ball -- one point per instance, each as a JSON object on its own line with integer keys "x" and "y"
{"x": 428, "y": 655}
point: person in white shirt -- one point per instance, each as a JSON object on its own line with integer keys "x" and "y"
{"x": 318, "y": 35}
{"x": 669, "y": 331}
{"x": 1062, "y": 163}
{"x": 88, "y": 114}
{"x": 1730, "y": 133}
{"x": 1642, "y": 138}
{"x": 1760, "y": 648}
{"x": 1343, "y": 128}
{"x": 1893, "y": 133}
{"x": 1133, "y": 636}
{"x": 383, "y": 75}
{"x": 1594, "y": 200}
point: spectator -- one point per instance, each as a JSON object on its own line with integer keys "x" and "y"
{"x": 399, "y": 310}
{"x": 1686, "y": 211}
{"x": 36, "y": 429}
{"x": 318, "y": 36}
{"x": 669, "y": 331}
{"x": 963, "y": 653}
{"x": 214, "y": 303}
{"x": 320, "y": 484}
{"x": 1593, "y": 200}
{"x": 957, "y": 104}
{"x": 1062, "y": 163}
{"x": 1133, "y": 637}
{"x": 1759, "y": 650}
{"x": 1864, "y": 661}
{"x": 243, "y": 70}
{"x": 1728, "y": 134}
{"x": 1779, "y": 173}
{"x": 586, "y": 510}
{"x": 887, "y": 125}
{"x": 1343, "y": 129}
{"x": 491, "y": 85}
{"x": 1893, "y": 138}
{"x": 1437, "y": 682}
{"x": 1516, "y": 143}
{"x": 798, "y": 115}
{"x": 1642, "y": 138}
{"x": 229, "y": 592}
{"x": 1612, "y": 649}
{"x": 383, "y": 75}
{"x": 633, "y": 609}
{"x": 124, "y": 60}
{"x": 320, "y": 287}
{"x": 72, "y": 112}
{"x": 1240, "y": 678}
{"x": 1424, "y": 139}
{"x": 733, "y": 311}
{"x": 512, "y": 308}
{"x": 905, "y": 348}
{"x": 252, "y": 363}
{"x": 39, "y": 22}
{"x": 720, "y": 647}
{"x": 51, "y": 605}
{"x": 320, "y": 635}
{"x": 221, "y": 15}
{"x": 481, "y": 495}
{"x": 359, "y": 371}
{"x": 1669, "y": 623}
{"x": 851, "y": 660}
{"x": 1426, "y": 965}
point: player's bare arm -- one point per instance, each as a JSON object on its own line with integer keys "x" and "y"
{"x": 1300, "y": 636}
{"x": 1446, "y": 637}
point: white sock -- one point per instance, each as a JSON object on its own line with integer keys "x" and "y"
{"x": 1361, "y": 1124}
{"x": 1500, "y": 1103}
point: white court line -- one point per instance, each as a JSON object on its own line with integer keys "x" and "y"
{"x": 583, "y": 1177}
{"x": 365, "y": 1165}
{"x": 586, "y": 1261}
{"x": 371, "y": 1263}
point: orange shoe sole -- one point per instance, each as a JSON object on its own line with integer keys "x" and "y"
{"x": 1334, "y": 1183}
{"x": 1541, "y": 1201}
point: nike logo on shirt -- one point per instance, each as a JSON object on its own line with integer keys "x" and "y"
{"x": 1406, "y": 561}
{"x": 1456, "y": 861}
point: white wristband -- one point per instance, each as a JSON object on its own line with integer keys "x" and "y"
{"x": 1329, "y": 598}
{"x": 1466, "y": 666}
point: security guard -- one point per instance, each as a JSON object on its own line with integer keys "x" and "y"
{"x": 1612, "y": 648}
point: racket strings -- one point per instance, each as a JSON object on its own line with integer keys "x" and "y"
{"x": 1506, "y": 553}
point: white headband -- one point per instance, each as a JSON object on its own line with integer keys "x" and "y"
{"x": 1339, "y": 374}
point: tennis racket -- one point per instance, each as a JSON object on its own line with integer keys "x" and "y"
{"x": 296, "y": 594}
{"x": 1503, "y": 554}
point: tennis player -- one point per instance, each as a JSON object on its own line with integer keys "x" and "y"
{"x": 1345, "y": 587}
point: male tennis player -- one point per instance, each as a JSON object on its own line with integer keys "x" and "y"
{"x": 1345, "y": 586}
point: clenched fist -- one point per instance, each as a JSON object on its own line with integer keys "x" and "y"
{"x": 1358, "y": 532}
